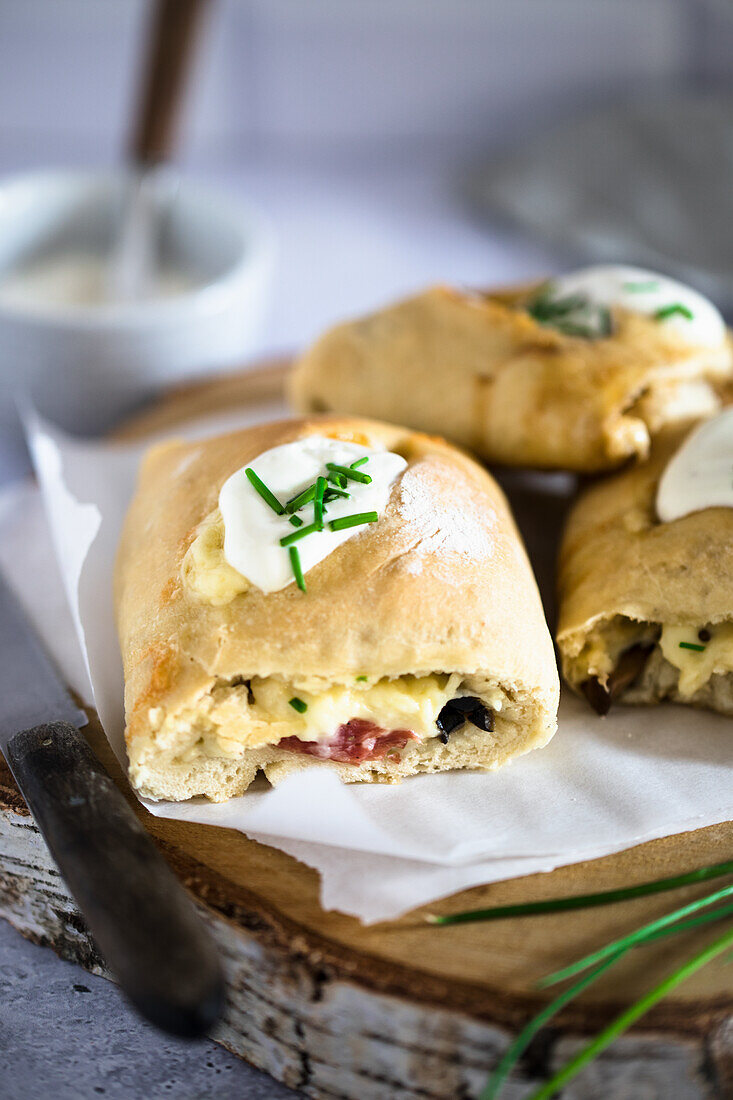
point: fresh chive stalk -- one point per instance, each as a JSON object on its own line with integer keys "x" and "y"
{"x": 673, "y": 309}
{"x": 298, "y": 704}
{"x": 692, "y": 645}
{"x": 632, "y": 1014}
{"x": 515, "y": 1051}
{"x": 522, "y": 1041}
{"x": 338, "y": 479}
{"x": 261, "y": 488}
{"x": 347, "y": 472}
{"x": 296, "y": 568}
{"x": 296, "y": 521}
{"x": 352, "y": 521}
{"x": 586, "y": 901}
{"x": 359, "y": 462}
{"x": 361, "y": 679}
{"x": 633, "y": 938}
{"x": 296, "y": 536}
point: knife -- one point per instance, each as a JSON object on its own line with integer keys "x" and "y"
{"x": 144, "y": 923}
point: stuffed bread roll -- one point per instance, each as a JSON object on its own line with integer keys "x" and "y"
{"x": 646, "y": 578}
{"x": 325, "y": 593}
{"x": 575, "y": 374}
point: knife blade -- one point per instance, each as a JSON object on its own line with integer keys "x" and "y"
{"x": 144, "y": 923}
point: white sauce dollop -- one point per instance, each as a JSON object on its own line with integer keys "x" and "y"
{"x": 700, "y": 474}
{"x": 642, "y": 291}
{"x": 252, "y": 530}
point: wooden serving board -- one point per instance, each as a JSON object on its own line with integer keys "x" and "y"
{"x": 403, "y": 1010}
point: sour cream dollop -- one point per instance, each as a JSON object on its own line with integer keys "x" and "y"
{"x": 252, "y": 529}
{"x": 642, "y": 291}
{"x": 700, "y": 474}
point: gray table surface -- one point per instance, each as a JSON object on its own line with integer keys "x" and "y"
{"x": 68, "y": 1035}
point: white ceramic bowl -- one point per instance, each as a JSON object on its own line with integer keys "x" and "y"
{"x": 85, "y": 365}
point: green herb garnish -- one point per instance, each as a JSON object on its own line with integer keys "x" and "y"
{"x": 359, "y": 462}
{"x": 318, "y": 503}
{"x": 633, "y": 938}
{"x": 296, "y": 521}
{"x": 640, "y": 288}
{"x": 669, "y": 311}
{"x": 346, "y": 471}
{"x": 352, "y": 521}
{"x": 587, "y": 901}
{"x": 298, "y": 704}
{"x": 334, "y": 494}
{"x": 361, "y": 679}
{"x": 296, "y": 567}
{"x": 261, "y": 488}
{"x": 692, "y": 645}
{"x": 300, "y": 534}
{"x": 573, "y": 314}
{"x": 627, "y": 1018}
{"x": 338, "y": 479}
{"x": 301, "y": 499}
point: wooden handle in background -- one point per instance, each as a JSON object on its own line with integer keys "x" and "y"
{"x": 170, "y": 48}
{"x": 139, "y": 915}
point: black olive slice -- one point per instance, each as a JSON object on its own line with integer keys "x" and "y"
{"x": 447, "y": 721}
{"x": 482, "y": 718}
{"x": 628, "y": 670}
{"x": 466, "y": 704}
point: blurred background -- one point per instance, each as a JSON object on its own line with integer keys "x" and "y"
{"x": 357, "y": 126}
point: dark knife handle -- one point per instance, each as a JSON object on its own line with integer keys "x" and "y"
{"x": 142, "y": 920}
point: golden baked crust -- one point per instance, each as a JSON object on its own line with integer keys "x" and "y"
{"x": 482, "y": 372}
{"x": 441, "y": 584}
{"x": 625, "y": 579}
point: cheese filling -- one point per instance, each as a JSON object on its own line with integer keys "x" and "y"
{"x": 251, "y": 714}
{"x": 696, "y": 652}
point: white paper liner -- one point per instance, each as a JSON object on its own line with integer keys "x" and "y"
{"x": 599, "y": 787}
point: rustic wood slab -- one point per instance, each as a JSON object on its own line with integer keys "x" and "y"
{"x": 403, "y": 1009}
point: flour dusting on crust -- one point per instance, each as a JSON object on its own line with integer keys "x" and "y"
{"x": 441, "y": 526}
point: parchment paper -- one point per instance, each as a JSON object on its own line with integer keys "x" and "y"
{"x": 599, "y": 787}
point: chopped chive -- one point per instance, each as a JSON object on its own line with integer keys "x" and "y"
{"x": 359, "y": 462}
{"x": 338, "y": 479}
{"x": 261, "y": 488}
{"x": 639, "y": 288}
{"x": 300, "y": 534}
{"x": 296, "y": 567}
{"x": 669, "y": 311}
{"x": 318, "y": 503}
{"x": 692, "y": 645}
{"x": 298, "y": 704}
{"x": 302, "y": 498}
{"x": 633, "y": 1013}
{"x": 361, "y": 679}
{"x": 296, "y": 521}
{"x": 352, "y": 521}
{"x": 587, "y": 901}
{"x": 346, "y": 471}
{"x": 334, "y": 494}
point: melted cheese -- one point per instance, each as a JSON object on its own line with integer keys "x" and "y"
{"x": 206, "y": 572}
{"x": 697, "y": 666}
{"x": 235, "y": 717}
